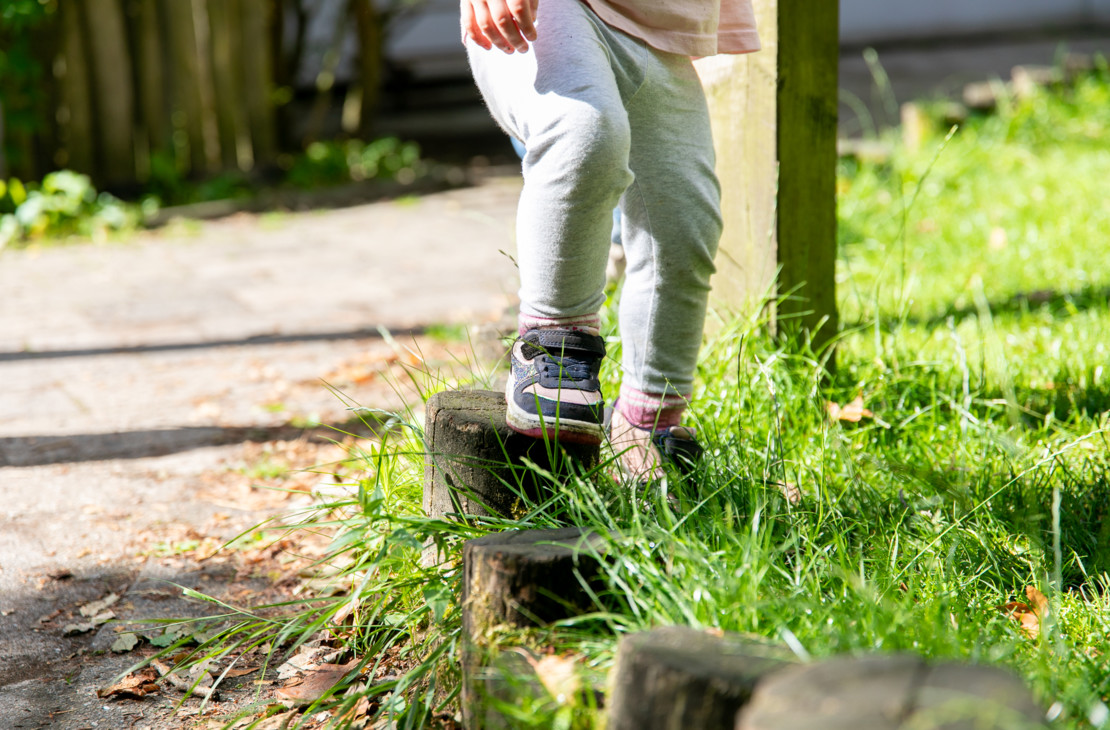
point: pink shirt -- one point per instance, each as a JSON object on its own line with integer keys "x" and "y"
{"x": 686, "y": 27}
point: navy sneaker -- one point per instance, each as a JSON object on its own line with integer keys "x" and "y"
{"x": 553, "y": 389}
{"x": 642, "y": 452}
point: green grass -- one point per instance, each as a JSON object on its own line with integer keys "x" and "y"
{"x": 986, "y": 469}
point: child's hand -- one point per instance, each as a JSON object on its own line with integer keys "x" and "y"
{"x": 508, "y": 24}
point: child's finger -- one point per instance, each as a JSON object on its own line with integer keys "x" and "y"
{"x": 524, "y": 12}
{"x": 489, "y": 24}
{"x": 470, "y": 26}
{"x": 507, "y": 23}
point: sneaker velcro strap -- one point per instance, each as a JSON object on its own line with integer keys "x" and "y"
{"x": 682, "y": 452}
{"x": 555, "y": 342}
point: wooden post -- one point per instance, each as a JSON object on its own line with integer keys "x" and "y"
{"x": 674, "y": 678}
{"x": 477, "y": 465}
{"x": 774, "y": 123}
{"x": 76, "y": 93}
{"x": 524, "y": 579}
{"x": 257, "y": 75}
{"x": 890, "y": 692}
{"x": 516, "y": 580}
{"x": 151, "y": 75}
{"x": 226, "y": 59}
{"x": 113, "y": 94}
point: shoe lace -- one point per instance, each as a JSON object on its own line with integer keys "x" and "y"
{"x": 566, "y": 367}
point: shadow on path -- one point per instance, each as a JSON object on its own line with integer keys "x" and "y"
{"x": 359, "y": 334}
{"x": 72, "y": 448}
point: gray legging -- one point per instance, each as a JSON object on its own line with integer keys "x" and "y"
{"x": 607, "y": 120}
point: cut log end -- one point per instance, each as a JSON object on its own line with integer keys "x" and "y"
{"x": 524, "y": 579}
{"x": 891, "y": 692}
{"x": 674, "y": 677}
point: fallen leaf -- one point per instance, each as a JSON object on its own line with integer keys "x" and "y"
{"x": 97, "y": 607}
{"x": 315, "y": 684}
{"x": 201, "y": 689}
{"x": 168, "y": 636}
{"x": 558, "y": 674}
{"x": 307, "y": 659}
{"x": 124, "y": 643}
{"x": 1037, "y": 600}
{"x": 47, "y": 618}
{"x": 345, "y": 611}
{"x": 1024, "y": 615}
{"x": 102, "y": 618}
{"x": 73, "y": 629}
{"x": 852, "y": 412}
{"x": 277, "y": 722}
{"x": 240, "y": 671}
{"x": 790, "y": 491}
{"x": 1028, "y": 615}
{"x": 134, "y": 686}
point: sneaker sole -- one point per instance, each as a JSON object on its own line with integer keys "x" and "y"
{"x": 566, "y": 431}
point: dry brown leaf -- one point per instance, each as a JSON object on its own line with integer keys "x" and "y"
{"x": 852, "y": 412}
{"x": 240, "y": 672}
{"x": 97, "y": 607}
{"x": 102, "y": 618}
{"x": 558, "y": 674}
{"x": 278, "y": 722}
{"x": 790, "y": 491}
{"x": 1028, "y": 615}
{"x": 203, "y": 689}
{"x": 133, "y": 686}
{"x": 124, "y": 643}
{"x": 345, "y": 611}
{"x": 1037, "y": 600}
{"x": 315, "y": 683}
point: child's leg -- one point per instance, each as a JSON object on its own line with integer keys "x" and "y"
{"x": 671, "y": 231}
{"x": 564, "y": 102}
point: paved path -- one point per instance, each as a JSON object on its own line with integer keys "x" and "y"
{"x": 139, "y": 381}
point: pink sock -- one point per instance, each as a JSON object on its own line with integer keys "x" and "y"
{"x": 651, "y": 411}
{"x": 588, "y": 323}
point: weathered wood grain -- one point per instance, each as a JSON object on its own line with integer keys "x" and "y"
{"x": 891, "y": 692}
{"x": 677, "y": 678}
{"x": 476, "y": 465}
{"x": 516, "y": 580}
{"x": 774, "y": 124}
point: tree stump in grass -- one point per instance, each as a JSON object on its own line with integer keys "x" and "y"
{"x": 677, "y": 678}
{"x": 893, "y": 692}
{"x": 525, "y": 579}
{"x": 516, "y": 580}
{"x": 476, "y": 465}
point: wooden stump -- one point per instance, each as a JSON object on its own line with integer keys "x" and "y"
{"x": 888, "y": 693}
{"x": 677, "y": 678}
{"x": 476, "y": 465}
{"x": 524, "y": 579}
{"x": 516, "y": 580}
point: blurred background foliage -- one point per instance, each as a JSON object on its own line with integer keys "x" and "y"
{"x": 178, "y": 101}
{"x": 141, "y": 94}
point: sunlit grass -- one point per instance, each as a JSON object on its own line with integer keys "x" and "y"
{"x": 984, "y": 471}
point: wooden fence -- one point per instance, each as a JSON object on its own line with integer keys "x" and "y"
{"x": 131, "y": 89}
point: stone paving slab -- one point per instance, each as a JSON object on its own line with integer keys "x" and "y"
{"x": 398, "y": 264}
